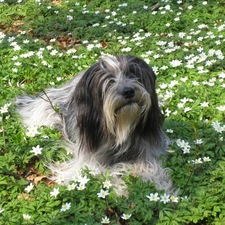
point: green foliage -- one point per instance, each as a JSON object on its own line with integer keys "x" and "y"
{"x": 184, "y": 43}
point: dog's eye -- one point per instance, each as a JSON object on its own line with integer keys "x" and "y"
{"x": 134, "y": 77}
{"x": 109, "y": 83}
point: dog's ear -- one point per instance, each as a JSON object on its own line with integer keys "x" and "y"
{"x": 86, "y": 109}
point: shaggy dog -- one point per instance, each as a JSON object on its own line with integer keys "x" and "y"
{"x": 111, "y": 117}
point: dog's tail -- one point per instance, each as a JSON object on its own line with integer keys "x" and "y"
{"x": 47, "y": 108}
{"x": 38, "y": 111}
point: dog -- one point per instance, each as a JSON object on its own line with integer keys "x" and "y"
{"x": 111, "y": 117}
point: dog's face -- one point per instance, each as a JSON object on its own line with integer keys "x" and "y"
{"x": 115, "y": 97}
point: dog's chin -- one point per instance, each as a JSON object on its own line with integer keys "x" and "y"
{"x": 127, "y": 117}
{"x": 127, "y": 108}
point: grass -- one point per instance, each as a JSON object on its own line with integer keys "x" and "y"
{"x": 46, "y": 43}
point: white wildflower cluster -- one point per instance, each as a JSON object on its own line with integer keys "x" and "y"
{"x": 175, "y": 63}
{"x": 127, "y": 49}
{"x": 27, "y": 55}
{"x": 79, "y": 181}
{"x": 106, "y": 220}
{"x": 104, "y": 192}
{"x": 95, "y": 45}
{"x": 163, "y": 198}
{"x": 201, "y": 160}
{"x": 184, "y": 145}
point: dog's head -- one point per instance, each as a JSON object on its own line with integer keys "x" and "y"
{"x": 115, "y": 98}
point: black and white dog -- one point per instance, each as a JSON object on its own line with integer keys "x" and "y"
{"x": 110, "y": 114}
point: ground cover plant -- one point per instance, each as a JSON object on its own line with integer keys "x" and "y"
{"x": 46, "y": 43}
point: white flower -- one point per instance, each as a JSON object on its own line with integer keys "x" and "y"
{"x": 81, "y": 187}
{"x": 26, "y": 216}
{"x": 218, "y": 128}
{"x": 181, "y": 34}
{"x": 175, "y": 63}
{"x": 94, "y": 171}
{"x": 198, "y": 141}
{"x": 187, "y": 109}
{"x": 206, "y": 159}
{"x": 53, "y": 52}
{"x": 165, "y": 198}
{"x": 105, "y": 220}
{"x": 17, "y": 48}
{"x": 77, "y": 176}
{"x": 127, "y": 49}
{"x": 184, "y": 145}
{"x": 197, "y": 161}
{"x": 60, "y": 179}
{"x": 17, "y": 63}
{"x": 204, "y": 104}
{"x": 103, "y": 193}
{"x": 168, "y": 94}
{"x": 36, "y": 150}
{"x": 1, "y": 210}
{"x": 29, "y": 187}
{"x": 107, "y": 184}
{"x": 183, "y": 79}
{"x": 83, "y": 180}
{"x": 26, "y": 41}
{"x": 32, "y": 131}
{"x": 163, "y": 86}
{"x": 2, "y": 35}
{"x": 153, "y": 197}
{"x": 221, "y": 75}
{"x": 167, "y": 112}
{"x": 169, "y": 131}
{"x": 65, "y": 206}
{"x": 126, "y": 216}
{"x": 95, "y": 25}
{"x": 71, "y": 186}
{"x": 174, "y": 199}
{"x": 90, "y": 47}
{"x": 195, "y": 83}
{"x": 4, "y": 109}
{"x": 221, "y": 108}
{"x": 186, "y": 150}
{"x": 170, "y": 151}
{"x": 69, "y": 17}
{"x": 55, "y": 192}
{"x": 180, "y": 105}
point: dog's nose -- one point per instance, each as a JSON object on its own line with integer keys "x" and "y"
{"x": 128, "y": 92}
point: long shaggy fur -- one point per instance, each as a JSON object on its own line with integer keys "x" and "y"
{"x": 110, "y": 115}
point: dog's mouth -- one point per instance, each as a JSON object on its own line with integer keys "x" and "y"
{"x": 127, "y": 105}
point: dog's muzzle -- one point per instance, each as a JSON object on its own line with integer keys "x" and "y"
{"x": 128, "y": 92}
